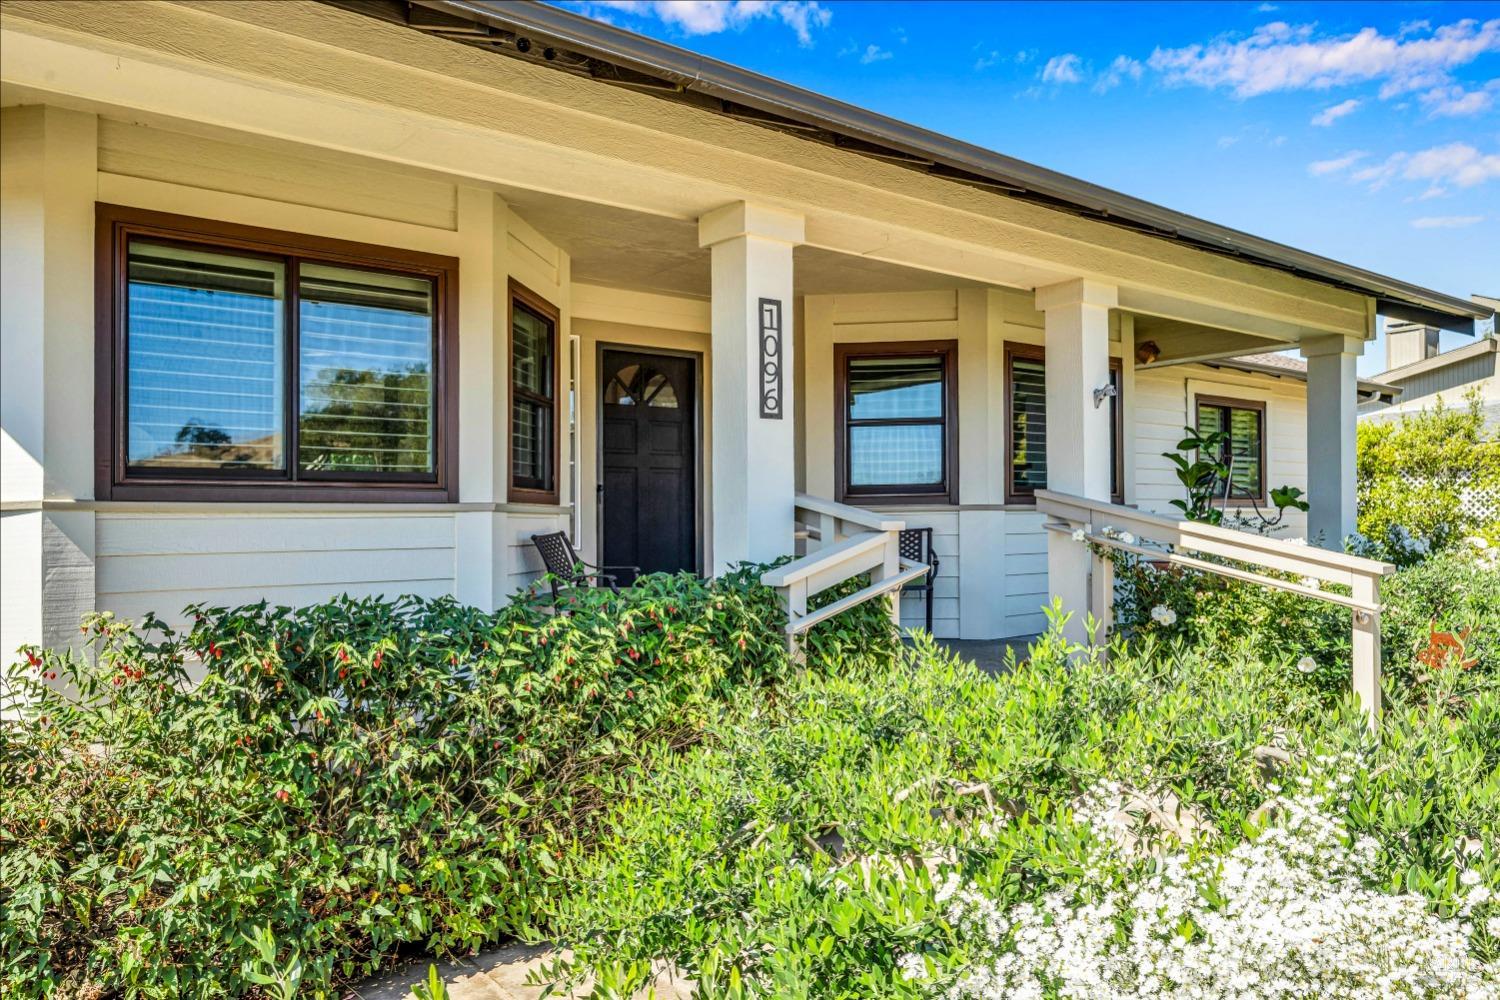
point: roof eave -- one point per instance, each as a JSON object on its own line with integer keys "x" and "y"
{"x": 691, "y": 71}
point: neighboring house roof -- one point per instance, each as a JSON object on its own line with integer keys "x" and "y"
{"x": 571, "y": 43}
{"x": 1282, "y": 366}
{"x": 1489, "y": 345}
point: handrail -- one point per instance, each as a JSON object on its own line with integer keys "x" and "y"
{"x": 844, "y": 512}
{"x": 1103, "y": 524}
{"x": 841, "y": 542}
{"x": 909, "y": 572}
{"x": 1199, "y": 564}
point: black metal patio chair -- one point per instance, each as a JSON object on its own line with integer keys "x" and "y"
{"x": 916, "y": 546}
{"x": 566, "y": 571}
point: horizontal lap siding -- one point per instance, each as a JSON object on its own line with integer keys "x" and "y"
{"x": 1025, "y": 561}
{"x": 162, "y": 563}
{"x": 1161, "y": 413}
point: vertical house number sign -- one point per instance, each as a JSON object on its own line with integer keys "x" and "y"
{"x": 770, "y": 359}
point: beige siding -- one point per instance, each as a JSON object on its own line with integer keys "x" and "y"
{"x": 278, "y": 172}
{"x": 1162, "y": 410}
{"x": 161, "y": 563}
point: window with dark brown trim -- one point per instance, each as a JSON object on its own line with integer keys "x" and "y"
{"x": 534, "y": 390}
{"x": 234, "y": 362}
{"x": 1026, "y": 425}
{"x": 1244, "y": 451}
{"x": 896, "y": 422}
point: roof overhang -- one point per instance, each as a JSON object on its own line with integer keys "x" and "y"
{"x": 547, "y": 35}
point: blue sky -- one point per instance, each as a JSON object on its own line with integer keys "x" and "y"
{"x": 1369, "y": 133}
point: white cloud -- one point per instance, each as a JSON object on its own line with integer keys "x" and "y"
{"x": 1331, "y": 114}
{"x": 1065, "y": 68}
{"x": 1225, "y": 141}
{"x": 874, "y": 53}
{"x": 1278, "y": 56}
{"x": 1337, "y": 164}
{"x": 992, "y": 58}
{"x": 1445, "y": 221}
{"x": 1122, "y": 67}
{"x": 709, "y": 17}
{"x": 1267, "y": 8}
{"x": 1454, "y": 101}
{"x": 1457, "y": 164}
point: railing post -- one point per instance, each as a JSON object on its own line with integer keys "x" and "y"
{"x": 1366, "y": 647}
{"x": 827, "y": 530}
{"x": 888, "y": 569}
{"x": 1101, "y": 595}
{"x": 796, "y": 607}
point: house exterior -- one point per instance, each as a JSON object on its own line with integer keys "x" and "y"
{"x": 1424, "y": 375}
{"x": 304, "y": 298}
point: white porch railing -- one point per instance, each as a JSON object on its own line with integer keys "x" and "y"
{"x": 1176, "y": 538}
{"x": 841, "y": 542}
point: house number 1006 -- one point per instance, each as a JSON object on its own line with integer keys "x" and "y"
{"x": 770, "y": 359}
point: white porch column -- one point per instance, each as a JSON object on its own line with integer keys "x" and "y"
{"x": 1078, "y": 431}
{"x": 1332, "y": 415}
{"x": 754, "y": 471}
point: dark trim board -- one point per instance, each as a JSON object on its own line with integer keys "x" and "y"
{"x": 882, "y": 497}
{"x": 116, "y": 224}
{"x": 1243, "y": 404}
{"x": 1036, "y": 352}
{"x": 518, "y": 292}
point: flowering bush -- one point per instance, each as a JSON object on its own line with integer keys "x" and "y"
{"x": 349, "y": 779}
{"x": 1289, "y": 913}
{"x": 1456, "y": 590}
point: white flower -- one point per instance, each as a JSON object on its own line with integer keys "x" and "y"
{"x": 1163, "y": 615}
{"x": 1079, "y": 535}
{"x": 1307, "y": 664}
{"x": 1127, "y": 538}
{"x": 1295, "y": 918}
{"x": 1470, "y": 877}
{"x": 1475, "y": 542}
{"x": 1311, "y": 582}
{"x": 912, "y": 966}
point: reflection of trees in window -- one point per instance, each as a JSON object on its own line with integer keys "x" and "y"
{"x": 363, "y": 420}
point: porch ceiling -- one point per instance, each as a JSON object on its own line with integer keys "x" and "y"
{"x": 622, "y": 248}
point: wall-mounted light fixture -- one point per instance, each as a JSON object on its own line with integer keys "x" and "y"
{"x": 1105, "y": 392}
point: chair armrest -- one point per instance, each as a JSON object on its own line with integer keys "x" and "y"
{"x": 617, "y": 569}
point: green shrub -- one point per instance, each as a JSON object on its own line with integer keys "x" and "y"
{"x": 1452, "y": 590}
{"x": 812, "y": 851}
{"x": 349, "y": 780}
{"x": 1413, "y": 474}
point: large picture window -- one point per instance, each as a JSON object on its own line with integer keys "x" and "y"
{"x": 897, "y": 434}
{"x": 1026, "y": 425}
{"x": 534, "y": 389}
{"x": 1245, "y": 447}
{"x": 246, "y": 363}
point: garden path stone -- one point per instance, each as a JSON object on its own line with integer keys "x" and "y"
{"x": 501, "y": 973}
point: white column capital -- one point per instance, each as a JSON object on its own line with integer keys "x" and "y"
{"x": 741, "y": 218}
{"x": 1078, "y": 292}
{"x": 1317, "y": 347}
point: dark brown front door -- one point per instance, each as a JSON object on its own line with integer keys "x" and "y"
{"x": 649, "y": 451}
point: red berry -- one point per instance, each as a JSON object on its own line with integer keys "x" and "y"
{"x": 379, "y": 655}
{"x": 343, "y": 673}
{"x": 282, "y": 795}
{"x": 343, "y": 656}
{"x": 630, "y": 695}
